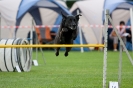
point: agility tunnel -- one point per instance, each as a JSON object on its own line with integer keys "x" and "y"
{"x": 14, "y": 59}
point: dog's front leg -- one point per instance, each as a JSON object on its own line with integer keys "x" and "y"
{"x": 62, "y": 39}
{"x": 57, "y": 51}
{"x": 75, "y": 33}
{"x": 68, "y": 48}
{"x": 57, "y": 41}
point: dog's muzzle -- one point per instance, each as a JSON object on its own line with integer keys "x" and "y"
{"x": 72, "y": 27}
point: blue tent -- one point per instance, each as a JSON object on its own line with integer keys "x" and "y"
{"x": 32, "y": 7}
{"x": 119, "y": 11}
{"x": 93, "y": 11}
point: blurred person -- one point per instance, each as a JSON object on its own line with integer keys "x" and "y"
{"x": 129, "y": 39}
{"x": 121, "y": 31}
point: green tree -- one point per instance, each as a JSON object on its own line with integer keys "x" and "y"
{"x": 70, "y": 3}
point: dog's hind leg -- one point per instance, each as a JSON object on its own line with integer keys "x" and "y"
{"x": 57, "y": 51}
{"x": 67, "y": 50}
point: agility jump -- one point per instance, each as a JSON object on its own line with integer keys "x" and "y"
{"x": 50, "y": 45}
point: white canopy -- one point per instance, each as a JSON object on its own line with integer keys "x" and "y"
{"x": 9, "y": 9}
{"x": 92, "y": 10}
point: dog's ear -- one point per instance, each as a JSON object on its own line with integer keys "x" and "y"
{"x": 77, "y": 16}
{"x": 64, "y": 16}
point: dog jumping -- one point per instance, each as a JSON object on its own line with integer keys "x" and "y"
{"x": 67, "y": 32}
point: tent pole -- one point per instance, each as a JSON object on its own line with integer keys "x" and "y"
{"x": 80, "y": 35}
{"x": 39, "y": 48}
{"x": 0, "y": 25}
{"x": 31, "y": 32}
{"x": 31, "y": 36}
{"x": 131, "y": 18}
{"x": 36, "y": 47}
{"x": 35, "y": 40}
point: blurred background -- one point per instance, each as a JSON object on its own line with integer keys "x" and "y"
{"x": 18, "y": 17}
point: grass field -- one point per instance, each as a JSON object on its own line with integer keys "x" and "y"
{"x": 78, "y": 70}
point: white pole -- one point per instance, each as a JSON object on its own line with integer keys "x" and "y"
{"x": 31, "y": 35}
{"x": 105, "y": 49}
{"x": 36, "y": 47}
{"x": 80, "y": 36}
{"x": 124, "y": 47}
{"x": 37, "y": 42}
{"x": 31, "y": 32}
{"x": 120, "y": 65}
{"x": 0, "y": 25}
{"x": 131, "y": 19}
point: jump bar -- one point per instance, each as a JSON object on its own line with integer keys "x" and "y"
{"x": 51, "y": 45}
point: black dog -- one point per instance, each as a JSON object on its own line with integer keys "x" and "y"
{"x": 67, "y": 32}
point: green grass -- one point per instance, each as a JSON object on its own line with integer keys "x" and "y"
{"x": 78, "y": 70}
